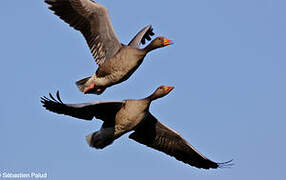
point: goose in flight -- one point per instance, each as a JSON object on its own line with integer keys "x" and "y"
{"x": 120, "y": 117}
{"x": 116, "y": 61}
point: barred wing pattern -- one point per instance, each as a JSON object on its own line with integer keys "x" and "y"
{"x": 93, "y": 21}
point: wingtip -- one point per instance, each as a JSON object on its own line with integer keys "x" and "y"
{"x": 58, "y": 96}
{"x": 227, "y": 164}
{"x": 44, "y": 100}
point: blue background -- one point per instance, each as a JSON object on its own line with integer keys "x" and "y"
{"x": 227, "y": 64}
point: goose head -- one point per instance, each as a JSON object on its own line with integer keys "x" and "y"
{"x": 158, "y": 43}
{"x": 161, "y": 91}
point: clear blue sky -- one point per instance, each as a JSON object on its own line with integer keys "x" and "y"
{"x": 228, "y": 65}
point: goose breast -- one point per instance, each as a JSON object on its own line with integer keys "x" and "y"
{"x": 130, "y": 115}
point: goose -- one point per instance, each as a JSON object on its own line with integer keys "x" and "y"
{"x": 121, "y": 117}
{"x": 116, "y": 61}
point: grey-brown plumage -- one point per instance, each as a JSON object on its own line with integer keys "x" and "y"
{"x": 120, "y": 117}
{"x": 116, "y": 62}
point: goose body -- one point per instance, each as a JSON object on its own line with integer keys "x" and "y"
{"x": 119, "y": 68}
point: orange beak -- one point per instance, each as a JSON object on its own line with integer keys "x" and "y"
{"x": 167, "y": 42}
{"x": 169, "y": 88}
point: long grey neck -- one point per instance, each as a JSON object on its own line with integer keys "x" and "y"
{"x": 149, "y": 48}
{"x": 152, "y": 97}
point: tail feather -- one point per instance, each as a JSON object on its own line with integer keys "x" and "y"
{"x": 83, "y": 83}
{"x": 100, "y": 139}
{"x": 85, "y": 86}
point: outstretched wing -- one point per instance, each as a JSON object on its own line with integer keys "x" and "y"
{"x": 142, "y": 36}
{"x": 93, "y": 21}
{"x": 158, "y": 136}
{"x": 105, "y": 111}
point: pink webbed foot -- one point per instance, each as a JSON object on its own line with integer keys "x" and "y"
{"x": 90, "y": 88}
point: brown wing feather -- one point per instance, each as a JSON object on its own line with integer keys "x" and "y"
{"x": 93, "y": 21}
{"x": 158, "y": 136}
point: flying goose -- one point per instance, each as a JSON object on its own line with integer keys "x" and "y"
{"x": 116, "y": 61}
{"x": 120, "y": 117}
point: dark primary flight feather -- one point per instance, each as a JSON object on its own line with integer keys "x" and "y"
{"x": 104, "y": 110}
{"x": 156, "y": 135}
